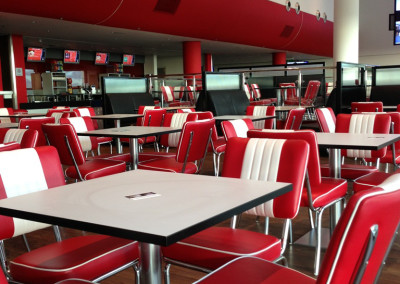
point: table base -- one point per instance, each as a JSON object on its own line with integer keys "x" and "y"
{"x": 310, "y": 238}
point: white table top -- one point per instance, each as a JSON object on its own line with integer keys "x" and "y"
{"x": 287, "y": 108}
{"x": 130, "y": 131}
{"x": 117, "y": 116}
{"x": 9, "y": 125}
{"x": 252, "y": 117}
{"x": 186, "y": 204}
{"x": 356, "y": 141}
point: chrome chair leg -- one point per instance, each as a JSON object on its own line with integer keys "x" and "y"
{"x": 166, "y": 273}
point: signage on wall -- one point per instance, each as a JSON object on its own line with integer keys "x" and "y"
{"x": 19, "y": 72}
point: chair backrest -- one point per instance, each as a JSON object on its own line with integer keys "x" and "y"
{"x": 363, "y": 235}
{"x": 290, "y": 92}
{"x": 190, "y": 93}
{"x": 67, "y": 114}
{"x": 87, "y": 111}
{"x": 182, "y": 110}
{"x": 27, "y": 138}
{"x": 168, "y": 93}
{"x": 179, "y": 92}
{"x": 57, "y": 135}
{"x": 275, "y": 160}
{"x": 25, "y": 171}
{"x": 141, "y": 111}
{"x": 175, "y": 120}
{"x": 326, "y": 119}
{"x": 64, "y": 108}
{"x": 364, "y": 124}
{"x": 256, "y": 91}
{"x": 262, "y": 110}
{"x": 294, "y": 118}
{"x": 6, "y": 111}
{"x": 56, "y": 113}
{"x": 208, "y": 115}
{"x": 247, "y": 90}
{"x": 236, "y": 128}
{"x": 366, "y": 107}
{"x": 154, "y": 117}
{"x": 312, "y": 90}
{"x": 9, "y": 146}
{"x": 194, "y": 140}
{"x": 82, "y": 124}
{"x": 36, "y": 124}
{"x": 314, "y": 170}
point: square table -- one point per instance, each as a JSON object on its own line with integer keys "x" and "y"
{"x": 182, "y": 205}
{"x": 252, "y": 117}
{"x": 117, "y": 122}
{"x": 133, "y": 133}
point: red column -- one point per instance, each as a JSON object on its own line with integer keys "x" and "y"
{"x": 208, "y": 63}
{"x": 191, "y": 57}
{"x": 19, "y": 66}
{"x": 279, "y": 58}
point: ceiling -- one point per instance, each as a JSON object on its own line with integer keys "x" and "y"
{"x": 52, "y": 33}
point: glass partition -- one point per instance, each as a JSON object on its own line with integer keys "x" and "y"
{"x": 222, "y": 81}
{"x": 114, "y": 85}
{"x": 388, "y": 75}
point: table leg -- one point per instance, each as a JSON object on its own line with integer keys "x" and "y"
{"x": 117, "y": 124}
{"x": 334, "y": 171}
{"x": 134, "y": 150}
{"x": 278, "y": 97}
{"x": 150, "y": 263}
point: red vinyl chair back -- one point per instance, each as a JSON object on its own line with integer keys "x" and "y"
{"x": 326, "y": 119}
{"x": 312, "y": 90}
{"x": 366, "y": 107}
{"x": 369, "y": 214}
{"x": 152, "y": 117}
{"x": 262, "y": 110}
{"x": 36, "y": 124}
{"x": 256, "y": 91}
{"x": 247, "y": 90}
{"x": 363, "y": 123}
{"x": 81, "y": 124}
{"x": 168, "y": 93}
{"x": 141, "y": 111}
{"x": 294, "y": 119}
{"x": 190, "y": 94}
{"x": 236, "y": 128}
{"x": 67, "y": 114}
{"x": 87, "y": 111}
{"x": 57, "y": 135}
{"x": 269, "y": 160}
{"x": 56, "y": 113}
{"x": 175, "y": 120}
{"x": 27, "y": 138}
{"x": 290, "y": 92}
{"x": 6, "y": 111}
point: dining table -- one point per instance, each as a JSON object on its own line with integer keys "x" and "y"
{"x": 117, "y": 117}
{"x": 132, "y": 133}
{"x": 252, "y": 117}
{"x": 155, "y": 208}
{"x": 17, "y": 116}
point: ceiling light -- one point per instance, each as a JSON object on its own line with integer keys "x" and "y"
{"x": 288, "y": 5}
{"x": 318, "y": 15}
{"x": 297, "y": 7}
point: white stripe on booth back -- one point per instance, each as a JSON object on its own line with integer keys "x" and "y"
{"x": 80, "y": 126}
{"x": 21, "y": 172}
{"x": 4, "y": 111}
{"x": 329, "y": 120}
{"x": 178, "y": 119}
{"x": 259, "y": 111}
{"x": 363, "y": 124}
{"x": 240, "y": 127}
{"x": 14, "y": 135}
{"x": 57, "y": 116}
{"x": 247, "y": 91}
{"x": 261, "y": 162}
{"x": 84, "y": 112}
{"x": 169, "y": 94}
{"x": 177, "y": 92}
{"x": 277, "y": 130}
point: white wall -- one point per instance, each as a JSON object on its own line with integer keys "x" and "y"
{"x": 172, "y": 65}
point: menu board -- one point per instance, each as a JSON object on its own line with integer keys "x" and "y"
{"x": 71, "y": 56}
{"x": 36, "y": 54}
{"x": 128, "y": 60}
{"x": 101, "y": 58}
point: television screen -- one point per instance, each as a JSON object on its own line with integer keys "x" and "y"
{"x": 128, "y": 60}
{"x": 397, "y": 33}
{"x": 36, "y": 54}
{"x": 397, "y": 5}
{"x": 101, "y": 58}
{"x": 71, "y": 56}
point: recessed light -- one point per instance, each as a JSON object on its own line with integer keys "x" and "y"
{"x": 288, "y": 5}
{"x": 297, "y": 7}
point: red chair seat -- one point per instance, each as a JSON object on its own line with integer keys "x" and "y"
{"x": 72, "y": 259}
{"x": 103, "y": 140}
{"x": 370, "y": 180}
{"x": 167, "y": 165}
{"x": 254, "y": 271}
{"x": 219, "y": 145}
{"x": 218, "y": 245}
{"x": 151, "y": 156}
{"x": 96, "y": 168}
{"x": 349, "y": 171}
{"x": 320, "y": 195}
{"x": 125, "y": 157}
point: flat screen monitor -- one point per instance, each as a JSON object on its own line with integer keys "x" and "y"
{"x": 36, "y": 54}
{"x": 397, "y": 5}
{"x": 101, "y": 58}
{"x": 128, "y": 60}
{"x": 397, "y": 33}
{"x": 71, "y": 56}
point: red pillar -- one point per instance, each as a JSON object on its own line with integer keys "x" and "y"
{"x": 191, "y": 57}
{"x": 18, "y": 73}
{"x": 279, "y": 58}
{"x": 208, "y": 63}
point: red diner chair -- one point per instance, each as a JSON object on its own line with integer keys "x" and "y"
{"x": 169, "y": 96}
{"x": 56, "y": 113}
{"x": 257, "y": 95}
{"x": 89, "y": 111}
{"x": 141, "y": 110}
{"x": 309, "y": 97}
{"x": 192, "y": 149}
{"x": 366, "y": 107}
{"x": 65, "y": 139}
{"x": 182, "y": 110}
{"x": 36, "y": 124}
{"x": 64, "y": 108}
{"x": 91, "y": 257}
{"x": 27, "y": 138}
{"x": 274, "y": 160}
{"x": 356, "y": 252}
{"x": 289, "y": 89}
{"x": 236, "y": 128}
{"x": 293, "y": 120}
{"x": 260, "y": 111}
{"x": 363, "y": 124}
{"x": 319, "y": 192}
{"x": 6, "y": 111}
{"x": 326, "y": 119}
